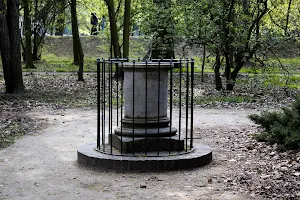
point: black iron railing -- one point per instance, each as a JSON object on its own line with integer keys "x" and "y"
{"x": 120, "y": 133}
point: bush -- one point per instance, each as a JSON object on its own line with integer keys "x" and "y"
{"x": 281, "y": 127}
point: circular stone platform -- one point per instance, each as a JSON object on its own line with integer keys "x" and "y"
{"x": 88, "y": 156}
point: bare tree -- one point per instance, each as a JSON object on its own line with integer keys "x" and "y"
{"x": 10, "y": 46}
{"x": 126, "y": 29}
{"x": 28, "y": 33}
{"x": 113, "y": 28}
{"x": 77, "y": 48}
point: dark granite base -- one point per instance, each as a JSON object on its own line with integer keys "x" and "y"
{"x": 150, "y": 144}
{"x": 88, "y": 156}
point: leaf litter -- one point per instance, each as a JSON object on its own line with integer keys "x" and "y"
{"x": 256, "y": 168}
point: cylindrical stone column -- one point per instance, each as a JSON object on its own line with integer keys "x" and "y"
{"x": 146, "y": 100}
{"x": 135, "y": 92}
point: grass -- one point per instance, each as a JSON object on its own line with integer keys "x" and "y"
{"x": 291, "y": 61}
{"x": 58, "y": 58}
{"x": 261, "y": 70}
{"x": 292, "y": 82}
{"x": 53, "y": 63}
{"x": 272, "y": 79}
{"x": 291, "y": 64}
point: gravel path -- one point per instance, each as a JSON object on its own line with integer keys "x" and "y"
{"x": 44, "y": 165}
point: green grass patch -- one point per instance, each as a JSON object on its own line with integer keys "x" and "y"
{"x": 261, "y": 70}
{"x": 52, "y": 63}
{"x": 267, "y": 80}
{"x": 293, "y": 61}
{"x": 273, "y": 65}
{"x": 283, "y": 81}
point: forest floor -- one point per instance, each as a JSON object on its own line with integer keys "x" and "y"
{"x": 57, "y": 115}
{"x": 43, "y": 164}
{"x": 41, "y": 130}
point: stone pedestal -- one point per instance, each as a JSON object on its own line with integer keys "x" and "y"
{"x": 145, "y": 110}
{"x": 144, "y": 141}
{"x": 142, "y": 145}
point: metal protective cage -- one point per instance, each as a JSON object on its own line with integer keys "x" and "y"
{"x": 111, "y": 107}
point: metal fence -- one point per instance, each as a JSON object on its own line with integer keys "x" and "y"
{"x": 145, "y": 108}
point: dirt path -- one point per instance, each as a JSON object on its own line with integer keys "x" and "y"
{"x": 44, "y": 165}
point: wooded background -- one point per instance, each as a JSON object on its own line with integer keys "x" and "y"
{"x": 236, "y": 33}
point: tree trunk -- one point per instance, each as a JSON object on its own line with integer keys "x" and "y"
{"x": 15, "y": 79}
{"x": 126, "y": 29}
{"x": 80, "y": 70}
{"x": 231, "y": 83}
{"x": 239, "y": 64}
{"x": 35, "y": 55}
{"x": 113, "y": 28}
{"x": 229, "y": 65}
{"x": 217, "y": 71}
{"x": 203, "y": 63}
{"x": 5, "y": 46}
{"x": 28, "y": 33}
{"x": 77, "y": 48}
{"x": 227, "y": 39}
{"x": 119, "y": 74}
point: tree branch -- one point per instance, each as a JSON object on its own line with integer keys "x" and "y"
{"x": 287, "y": 17}
{"x": 255, "y": 23}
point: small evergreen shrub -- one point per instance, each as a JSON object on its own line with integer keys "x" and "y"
{"x": 281, "y": 127}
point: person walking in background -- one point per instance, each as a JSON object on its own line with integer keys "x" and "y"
{"x": 94, "y": 22}
{"x": 102, "y": 23}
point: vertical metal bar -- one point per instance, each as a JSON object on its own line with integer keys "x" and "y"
{"x": 110, "y": 104}
{"x": 187, "y": 105}
{"x": 108, "y": 90}
{"x": 146, "y": 108}
{"x": 171, "y": 100}
{"x": 103, "y": 104}
{"x": 158, "y": 102}
{"x": 122, "y": 100}
{"x": 102, "y": 99}
{"x": 180, "y": 100}
{"x": 192, "y": 102}
{"x": 133, "y": 104}
{"x": 98, "y": 103}
{"x": 109, "y": 97}
{"x": 118, "y": 95}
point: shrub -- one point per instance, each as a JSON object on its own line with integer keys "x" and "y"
{"x": 281, "y": 127}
